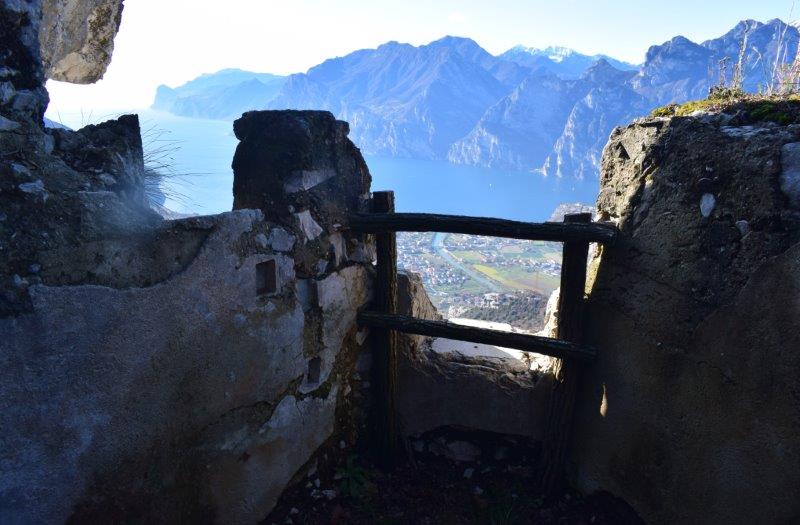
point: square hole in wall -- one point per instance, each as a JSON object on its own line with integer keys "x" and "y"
{"x": 266, "y": 277}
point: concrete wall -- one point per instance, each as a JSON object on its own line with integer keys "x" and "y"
{"x": 177, "y": 370}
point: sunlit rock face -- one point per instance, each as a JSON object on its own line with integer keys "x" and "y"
{"x": 691, "y": 412}
{"x": 77, "y": 38}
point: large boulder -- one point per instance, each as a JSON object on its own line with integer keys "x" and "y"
{"x": 77, "y": 38}
{"x": 691, "y": 412}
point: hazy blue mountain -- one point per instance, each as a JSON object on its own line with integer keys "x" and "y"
{"x": 681, "y": 70}
{"x": 520, "y": 129}
{"x": 222, "y": 95}
{"x": 564, "y": 62}
{"x": 548, "y": 110}
{"x": 403, "y": 100}
{"x": 545, "y": 112}
{"x": 676, "y": 71}
{"x": 610, "y": 102}
{"x": 768, "y": 46}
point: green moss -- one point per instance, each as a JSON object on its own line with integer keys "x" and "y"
{"x": 665, "y": 111}
{"x": 750, "y": 108}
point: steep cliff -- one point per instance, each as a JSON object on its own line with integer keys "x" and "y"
{"x": 691, "y": 413}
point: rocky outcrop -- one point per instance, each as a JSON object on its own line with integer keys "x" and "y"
{"x": 77, "y": 38}
{"x": 691, "y": 412}
{"x": 22, "y": 92}
{"x": 175, "y": 370}
{"x": 72, "y": 203}
{"x": 69, "y": 40}
{"x": 450, "y": 390}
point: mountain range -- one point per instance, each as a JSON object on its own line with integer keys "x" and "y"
{"x": 548, "y": 110}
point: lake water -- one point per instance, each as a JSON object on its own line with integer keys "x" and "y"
{"x": 200, "y": 153}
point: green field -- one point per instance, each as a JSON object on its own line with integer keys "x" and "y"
{"x": 520, "y": 279}
{"x": 469, "y": 257}
{"x": 508, "y": 274}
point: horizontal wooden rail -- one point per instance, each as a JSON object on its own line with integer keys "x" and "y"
{"x": 429, "y": 222}
{"x": 524, "y": 342}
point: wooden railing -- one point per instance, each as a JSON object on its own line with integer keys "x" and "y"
{"x": 576, "y": 232}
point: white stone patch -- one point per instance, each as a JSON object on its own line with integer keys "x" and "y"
{"x": 707, "y": 204}
{"x": 339, "y": 248}
{"x": 281, "y": 240}
{"x": 296, "y": 429}
{"x": 790, "y": 176}
{"x": 743, "y": 131}
{"x": 304, "y": 180}
{"x": 308, "y": 225}
{"x": 20, "y": 170}
{"x": 339, "y": 295}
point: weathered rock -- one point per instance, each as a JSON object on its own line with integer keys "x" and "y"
{"x": 448, "y": 388}
{"x": 790, "y": 175}
{"x": 110, "y": 152}
{"x": 413, "y": 300}
{"x": 62, "y": 212}
{"x": 77, "y": 38}
{"x": 178, "y": 356}
{"x": 300, "y": 168}
{"x": 690, "y": 413}
{"x": 150, "y": 370}
{"x": 295, "y": 144}
{"x": 21, "y": 71}
{"x": 339, "y": 296}
{"x": 439, "y": 391}
{"x": 69, "y": 40}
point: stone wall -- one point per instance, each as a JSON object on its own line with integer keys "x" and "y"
{"x": 692, "y": 412}
{"x": 163, "y": 370}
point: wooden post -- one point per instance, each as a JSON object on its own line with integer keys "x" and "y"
{"x": 385, "y": 340}
{"x": 558, "y": 426}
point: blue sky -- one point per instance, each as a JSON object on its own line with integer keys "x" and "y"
{"x": 172, "y": 41}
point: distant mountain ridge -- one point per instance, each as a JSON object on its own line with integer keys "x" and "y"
{"x": 548, "y": 110}
{"x": 222, "y": 95}
{"x": 563, "y": 61}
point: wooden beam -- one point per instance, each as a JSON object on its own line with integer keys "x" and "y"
{"x": 524, "y": 342}
{"x": 558, "y": 426}
{"x": 384, "y": 340}
{"x": 427, "y": 222}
